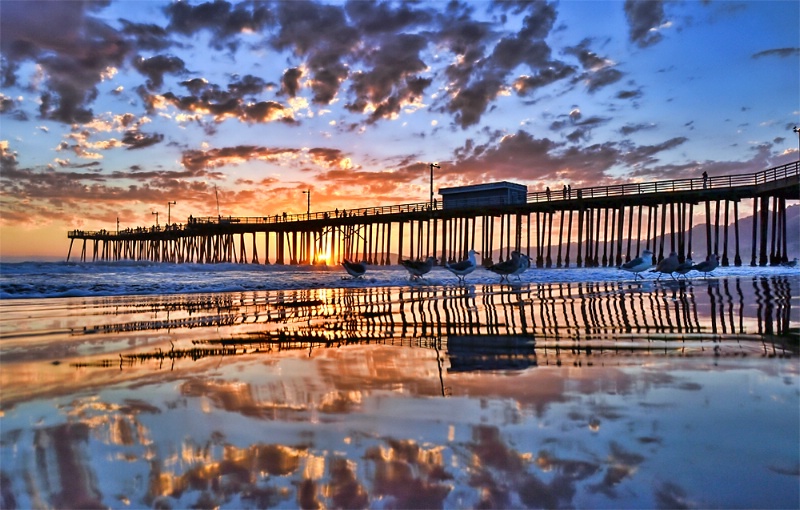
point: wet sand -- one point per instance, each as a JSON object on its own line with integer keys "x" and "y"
{"x": 608, "y": 394}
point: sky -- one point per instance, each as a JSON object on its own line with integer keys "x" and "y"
{"x": 111, "y": 111}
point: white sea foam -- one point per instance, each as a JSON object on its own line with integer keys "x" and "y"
{"x": 62, "y": 279}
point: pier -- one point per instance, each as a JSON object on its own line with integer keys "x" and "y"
{"x": 585, "y": 227}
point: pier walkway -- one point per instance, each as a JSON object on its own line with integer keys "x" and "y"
{"x": 603, "y": 225}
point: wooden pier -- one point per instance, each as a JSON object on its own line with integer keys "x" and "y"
{"x": 596, "y": 226}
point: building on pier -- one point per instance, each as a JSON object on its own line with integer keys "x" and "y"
{"x": 481, "y": 195}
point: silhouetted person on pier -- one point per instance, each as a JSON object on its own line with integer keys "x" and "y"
{"x": 547, "y": 192}
{"x": 569, "y": 191}
{"x": 705, "y": 180}
{"x": 565, "y": 192}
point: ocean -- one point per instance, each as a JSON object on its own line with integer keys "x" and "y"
{"x": 131, "y": 385}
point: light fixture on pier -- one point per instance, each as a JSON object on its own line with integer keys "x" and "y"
{"x": 432, "y": 165}
{"x": 308, "y": 204}
{"x": 797, "y": 130}
{"x": 156, "y": 213}
{"x": 169, "y": 204}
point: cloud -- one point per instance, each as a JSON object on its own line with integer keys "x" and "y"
{"x": 603, "y": 78}
{"x": 219, "y": 18}
{"x": 644, "y": 17}
{"x": 629, "y": 94}
{"x": 320, "y": 34}
{"x": 526, "y": 85}
{"x": 73, "y": 49}
{"x": 223, "y": 105}
{"x": 7, "y": 104}
{"x": 383, "y": 18}
{"x": 393, "y": 78}
{"x": 290, "y": 81}
{"x": 8, "y": 158}
{"x": 156, "y": 67}
{"x": 478, "y": 77}
{"x": 216, "y": 158}
{"x": 778, "y": 52}
{"x": 135, "y": 139}
{"x": 146, "y": 36}
{"x": 628, "y": 129}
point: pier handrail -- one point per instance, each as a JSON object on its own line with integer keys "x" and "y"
{"x": 691, "y": 184}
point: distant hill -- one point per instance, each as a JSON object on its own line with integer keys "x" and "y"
{"x": 746, "y": 237}
{"x": 699, "y": 249}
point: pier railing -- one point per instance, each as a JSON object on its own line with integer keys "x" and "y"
{"x": 677, "y": 185}
{"x": 692, "y": 184}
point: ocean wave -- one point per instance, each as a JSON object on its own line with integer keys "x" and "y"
{"x": 30, "y": 280}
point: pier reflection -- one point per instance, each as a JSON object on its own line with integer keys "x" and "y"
{"x": 557, "y": 396}
{"x": 549, "y": 320}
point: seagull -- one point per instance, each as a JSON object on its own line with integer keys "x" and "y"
{"x": 641, "y": 263}
{"x": 355, "y": 269}
{"x": 667, "y": 266}
{"x": 418, "y": 268}
{"x": 524, "y": 263}
{"x": 707, "y": 265}
{"x": 507, "y": 267}
{"x": 684, "y": 267}
{"x": 791, "y": 263}
{"x": 465, "y": 267}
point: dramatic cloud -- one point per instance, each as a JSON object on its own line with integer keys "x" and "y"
{"x": 478, "y": 78}
{"x": 74, "y": 49}
{"x": 156, "y": 67}
{"x": 392, "y": 80}
{"x": 219, "y": 18}
{"x": 644, "y": 17}
{"x": 137, "y": 140}
{"x": 8, "y": 159}
{"x": 290, "y": 81}
{"x": 216, "y": 158}
{"x": 321, "y": 34}
{"x": 146, "y": 36}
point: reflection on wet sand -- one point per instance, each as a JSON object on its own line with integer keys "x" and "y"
{"x": 573, "y": 395}
{"x": 552, "y": 320}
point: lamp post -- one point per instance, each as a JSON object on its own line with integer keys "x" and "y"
{"x": 156, "y": 213}
{"x": 433, "y": 165}
{"x": 308, "y": 204}
{"x": 169, "y": 204}
{"x": 797, "y": 130}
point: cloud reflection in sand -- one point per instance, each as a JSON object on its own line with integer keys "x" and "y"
{"x": 542, "y": 396}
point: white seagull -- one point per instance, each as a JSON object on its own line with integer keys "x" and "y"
{"x": 667, "y": 266}
{"x": 355, "y": 269}
{"x": 641, "y": 263}
{"x": 463, "y": 268}
{"x": 418, "y": 268}
{"x": 708, "y": 265}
